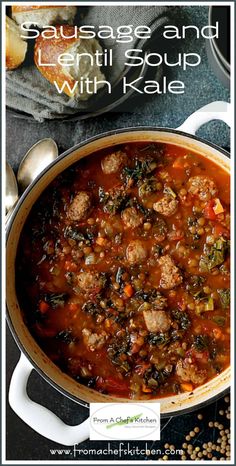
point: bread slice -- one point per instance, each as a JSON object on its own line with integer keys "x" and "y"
{"x": 16, "y": 47}
{"x": 47, "y": 51}
{"x": 42, "y": 16}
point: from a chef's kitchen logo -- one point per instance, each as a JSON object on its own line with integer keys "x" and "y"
{"x": 120, "y": 420}
{"x": 123, "y": 422}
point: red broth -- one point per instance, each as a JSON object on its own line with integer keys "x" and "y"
{"x": 123, "y": 270}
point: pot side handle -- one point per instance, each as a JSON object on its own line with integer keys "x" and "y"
{"x": 218, "y": 110}
{"x": 36, "y": 416}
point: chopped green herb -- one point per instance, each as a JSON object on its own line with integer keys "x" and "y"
{"x": 224, "y": 297}
{"x": 219, "y": 320}
{"x": 209, "y": 305}
{"x": 214, "y": 255}
{"x": 169, "y": 191}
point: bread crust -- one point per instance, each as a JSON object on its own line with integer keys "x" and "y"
{"x": 44, "y": 14}
{"x": 16, "y": 47}
{"x": 23, "y": 8}
{"x": 50, "y": 51}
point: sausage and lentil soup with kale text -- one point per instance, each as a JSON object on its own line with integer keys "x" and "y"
{"x": 123, "y": 270}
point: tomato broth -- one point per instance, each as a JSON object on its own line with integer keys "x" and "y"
{"x": 123, "y": 270}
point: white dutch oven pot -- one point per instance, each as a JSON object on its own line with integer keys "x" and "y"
{"x": 37, "y": 417}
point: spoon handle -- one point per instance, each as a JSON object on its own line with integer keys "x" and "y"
{"x": 9, "y": 213}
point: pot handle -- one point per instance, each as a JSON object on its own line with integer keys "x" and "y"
{"x": 36, "y": 416}
{"x": 218, "y": 110}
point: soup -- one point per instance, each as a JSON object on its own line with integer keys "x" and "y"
{"x": 123, "y": 270}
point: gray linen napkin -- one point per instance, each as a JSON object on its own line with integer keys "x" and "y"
{"x": 27, "y": 90}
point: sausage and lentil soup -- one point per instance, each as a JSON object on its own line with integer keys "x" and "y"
{"x": 123, "y": 270}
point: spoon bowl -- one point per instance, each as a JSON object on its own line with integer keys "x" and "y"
{"x": 41, "y": 154}
{"x": 11, "y": 189}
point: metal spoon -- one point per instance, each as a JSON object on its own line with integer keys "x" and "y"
{"x": 11, "y": 189}
{"x": 36, "y": 159}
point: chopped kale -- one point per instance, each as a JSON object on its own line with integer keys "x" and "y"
{"x": 219, "y": 320}
{"x": 74, "y": 233}
{"x": 159, "y": 302}
{"x": 78, "y": 235}
{"x": 181, "y": 318}
{"x": 154, "y": 297}
{"x": 148, "y": 186}
{"x": 159, "y": 228}
{"x": 158, "y": 339}
{"x": 113, "y": 201}
{"x": 157, "y": 249}
{"x": 201, "y": 342}
{"x": 70, "y": 278}
{"x": 191, "y": 221}
{"x": 56, "y": 299}
{"x": 176, "y": 334}
{"x": 224, "y": 297}
{"x": 92, "y": 308}
{"x": 65, "y": 336}
{"x": 195, "y": 287}
{"x": 141, "y": 169}
{"x": 155, "y": 377}
{"x": 214, "y": 255}
{"x": 117, "y": 350}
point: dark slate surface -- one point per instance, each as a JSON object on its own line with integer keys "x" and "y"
{"x": 202, "y": 87}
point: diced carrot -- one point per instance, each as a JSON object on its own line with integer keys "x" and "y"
{"x": 43, "y": 307}
{"x": 187, "y": 387}
{"x": 128, "y": 290}
{"x": 218, "y": 230}
{"x": 108, "y": 323}
{"x": 101, "y": 241}
{"x": 73, "y": 307}
{"x": 217, "y": 333}
{"x": 218, "y": 208}
{"x": 70, "y": 266}
{"x": 208, "y": 210}
{"x": 145, "y": 389}
{"x": 135, "y": 348}
{"x": 178, "y": 163}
